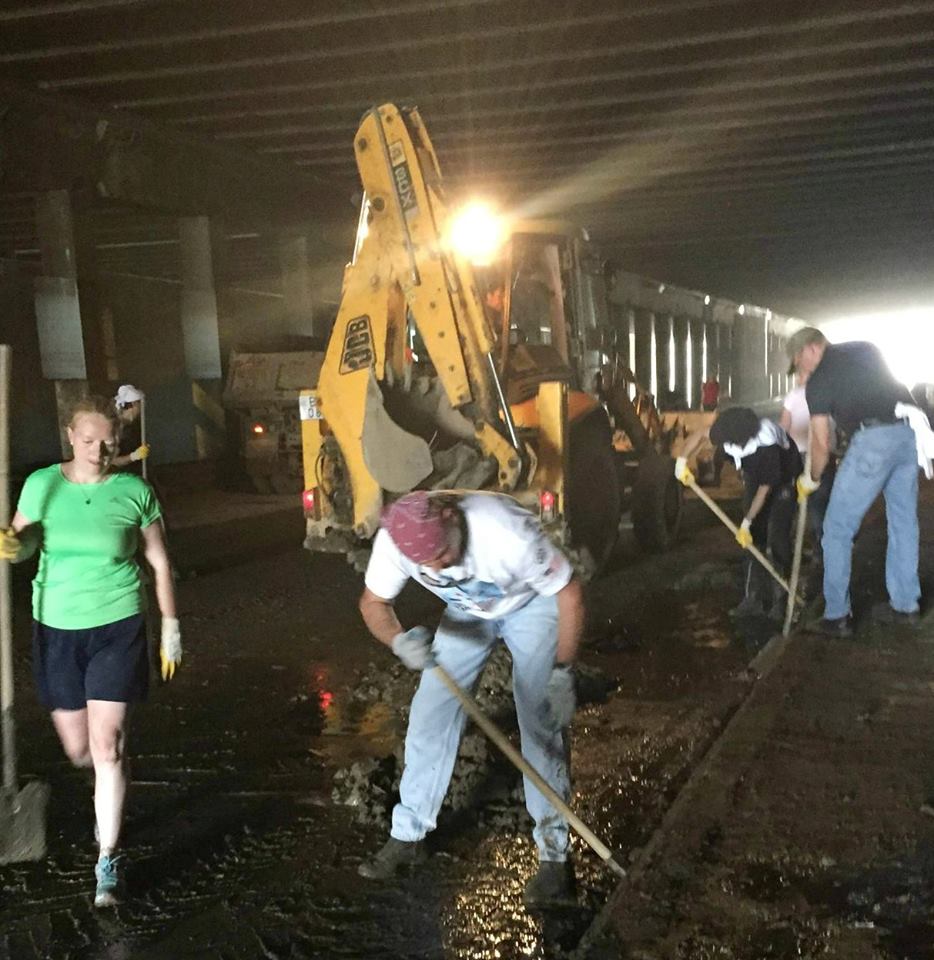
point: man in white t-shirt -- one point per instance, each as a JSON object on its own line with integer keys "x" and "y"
{"x": 500, "y": 576}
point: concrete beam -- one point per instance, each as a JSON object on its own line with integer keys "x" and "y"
{"x": 67, "y": 294}
{"x": 660, "y": 298}
{"x": 50, "y": 142}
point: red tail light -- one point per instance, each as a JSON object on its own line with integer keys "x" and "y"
{"x": 310, "y": 502}
{"x": 548, "y": 503}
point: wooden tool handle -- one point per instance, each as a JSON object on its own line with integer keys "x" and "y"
{"x": 6, "y": 618}
{"x": 752, "y": 548}
{"x": 799, "y": 546}
{"x": 516, "y": 758}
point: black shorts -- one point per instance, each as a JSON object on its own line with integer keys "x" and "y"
{"x": 109, "y": 662}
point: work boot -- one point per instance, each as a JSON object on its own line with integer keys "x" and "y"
{"x": 552, "y": 886}
{"x": 109, "y": 884}
{"x": 885, "y": 615}
{"x": 394, "y": 858}
{"x": 840, "y": 628}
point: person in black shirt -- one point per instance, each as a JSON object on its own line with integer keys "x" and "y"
{"x": 851, "y": 383}
{"x": 770, "y": 462}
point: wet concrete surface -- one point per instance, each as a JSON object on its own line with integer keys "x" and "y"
{"x": 808, "y": 831}
{"x": 237, "y": 848}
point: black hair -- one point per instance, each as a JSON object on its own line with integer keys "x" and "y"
{"x": 737, "y": 425}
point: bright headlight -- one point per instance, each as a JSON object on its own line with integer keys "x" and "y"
{"x": 476, "y": 233}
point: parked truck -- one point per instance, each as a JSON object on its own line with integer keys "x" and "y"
{"x": 262, "y": 392}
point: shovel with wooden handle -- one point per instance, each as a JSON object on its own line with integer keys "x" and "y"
{"x": 752, "y": 548}
{"x": 142, "y": 434}
{"x": 799, "y": 546}
{"x": 22, "y": 812}
{"x": 516, "y": 758}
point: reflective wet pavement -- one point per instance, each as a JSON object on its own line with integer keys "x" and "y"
{"x": 235, "y": 847}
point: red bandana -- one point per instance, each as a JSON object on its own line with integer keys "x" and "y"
{"x": 416, "y": 526}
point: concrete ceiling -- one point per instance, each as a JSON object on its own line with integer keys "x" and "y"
{"x": 773, "y": 151}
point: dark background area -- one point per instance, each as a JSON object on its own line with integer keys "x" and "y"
{"x": 773, "y": 152}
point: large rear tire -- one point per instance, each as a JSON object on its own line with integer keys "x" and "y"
{"x": 593, "y": 493}
{"x": 657, "y": 499}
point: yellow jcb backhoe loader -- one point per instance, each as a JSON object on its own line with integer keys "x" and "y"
{"x": 441, "y": 375}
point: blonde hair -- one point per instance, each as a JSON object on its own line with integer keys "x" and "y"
{"x": 95, "y": 405}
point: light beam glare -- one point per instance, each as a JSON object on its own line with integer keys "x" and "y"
{"x": 905, "y": 337}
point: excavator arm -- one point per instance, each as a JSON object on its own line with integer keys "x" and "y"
{"x": 401, "y": 268}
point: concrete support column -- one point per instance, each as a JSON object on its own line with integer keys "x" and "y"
{"x": 295, "y": 269}
{"x": 620, "y": 321}
{"x": 787, "y": 380}
{"x": 682, "y": 331}
{"x": 721, "y": 351}
{"x": 642, "y": 325}
{"x": 201, "y": 331}
{"x": 778, "y": 365}
{"x": 67, "y": 302}
{"x": 697, "y": 364}
{"x": 725, "y": 340}
{"x": 772, "y": 385}
{"x": 739, "y": 371}
{"x": 750, "y": 380}
{"x": 662, "y": 354}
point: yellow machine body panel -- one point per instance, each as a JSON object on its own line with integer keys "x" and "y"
{"x": 426, "y": 383}
{"x": 401, "y": 270}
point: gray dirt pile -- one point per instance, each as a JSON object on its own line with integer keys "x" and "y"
{"x": 481, "y": 777}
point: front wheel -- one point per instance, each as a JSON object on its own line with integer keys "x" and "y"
{"x": 593, "y": 493}
{"x": 657, "y": 499}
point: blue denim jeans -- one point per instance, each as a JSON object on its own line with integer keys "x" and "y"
{"x": 462, "y": 645}
{"x": 879, "y": 460}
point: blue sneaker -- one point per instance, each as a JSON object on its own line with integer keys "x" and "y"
{"x": 109, "y": 885}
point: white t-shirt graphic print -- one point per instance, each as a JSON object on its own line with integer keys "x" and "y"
{"x": 508, "y": 561}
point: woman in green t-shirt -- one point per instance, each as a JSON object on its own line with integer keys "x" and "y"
{"x": 89, "y": 640}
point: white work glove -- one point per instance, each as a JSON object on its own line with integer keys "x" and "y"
{"x": 683, "y": 473}
{"x": 9, "y": 545}
{"x": 170, "y": 650}
{"x": 413, "y": 648}
{"x": 560, "y": 698}
{"x": 744, "y": 534}
{"x": 140, "y": 453}
{"x": 805, "y": 485}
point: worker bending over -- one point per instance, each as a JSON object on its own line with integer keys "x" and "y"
{"x": 770, "y": 462}
{"x": 889, "y": 438}
{"x": 500, "y": 576}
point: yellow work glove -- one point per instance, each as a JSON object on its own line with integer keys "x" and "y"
{"x": 744, "y": 535}
{"x": 141, "y": 452}
{"x": 170, "y": 650}
{"x": 9, "y": 545}
{"x": 805, "y": 485}
{"x": 683, "y": 473}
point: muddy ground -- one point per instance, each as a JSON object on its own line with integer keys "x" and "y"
{"x": 808, "y": 831}
{"x": 238, "y": 847}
